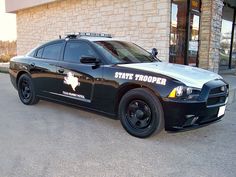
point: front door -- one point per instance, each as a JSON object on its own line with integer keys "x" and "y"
{"x": 76, "y": 80}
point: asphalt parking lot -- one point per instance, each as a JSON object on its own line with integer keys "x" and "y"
{"x": 53, "y": 140}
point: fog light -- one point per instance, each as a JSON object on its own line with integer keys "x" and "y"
{"x": 194, "y": 120}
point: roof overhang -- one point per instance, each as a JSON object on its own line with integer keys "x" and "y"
{"x": 13, "y": 6}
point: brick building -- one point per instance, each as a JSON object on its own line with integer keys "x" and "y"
{"x": 191, "y": 32}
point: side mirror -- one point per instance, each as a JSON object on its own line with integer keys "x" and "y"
{"x": 89, "y": 60}
{"x": 154, "y": 52}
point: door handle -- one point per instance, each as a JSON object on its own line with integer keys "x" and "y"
{"x": 61, "y": 71}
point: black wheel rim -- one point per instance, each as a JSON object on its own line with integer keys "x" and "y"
{"x": 138, "y": 114}
{"x": 25, "y": 89}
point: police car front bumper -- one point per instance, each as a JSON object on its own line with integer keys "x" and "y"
{"x": 179, "y": 115}
{"x": 209, "y": 107}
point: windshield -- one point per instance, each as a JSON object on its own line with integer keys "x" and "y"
{"x": 124, "y": 52}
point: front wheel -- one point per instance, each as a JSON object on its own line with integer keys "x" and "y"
{"x": 26, "y": 90}
{"x": 141, "y": 113}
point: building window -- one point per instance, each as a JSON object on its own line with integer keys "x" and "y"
{"x": 228, "y": 41}
{"x": 233, "y": 60}
{"x": 184, "y": 38}
{"x": 178, "y": 31}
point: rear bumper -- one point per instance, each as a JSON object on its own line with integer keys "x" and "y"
{"x": 208, "y": 107}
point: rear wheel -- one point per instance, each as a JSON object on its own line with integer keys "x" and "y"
{"x": 26, "y": 90}
{"x": 141, "y": 113}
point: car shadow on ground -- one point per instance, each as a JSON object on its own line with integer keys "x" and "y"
{"x": 101, "y": 120}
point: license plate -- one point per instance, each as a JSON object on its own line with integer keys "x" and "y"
{"x": 221, "y": 111}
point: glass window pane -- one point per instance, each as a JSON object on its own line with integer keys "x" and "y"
{"x": 193, "y": 41}
{"x": 233, "y": 64}
{"x": 52, "y": 51}
{"x": 39, "y": 53}
{"x": 75, "y": 50}
{"x": 195, "y": 4}
{"x": 178, "y": 31}
{"x": 226, "y": 33}
{"x": 123, "y": 52}
{"x": 194, "y": 27}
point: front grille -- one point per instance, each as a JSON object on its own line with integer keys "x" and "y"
{"x": 214, "y": 93}
{"x": 217, "y": 90}
{"x": 216, "y": 100}
{"x": 217, "y": 95}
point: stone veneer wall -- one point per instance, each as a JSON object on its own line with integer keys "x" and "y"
{"x": 210, "y": 34}
{"x": 145, "y": 22}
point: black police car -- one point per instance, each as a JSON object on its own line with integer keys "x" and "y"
{"x": 121, "y": 79}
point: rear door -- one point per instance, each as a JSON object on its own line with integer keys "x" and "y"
{"x": 76, "y": 80}
{"x": 44, "y": 68}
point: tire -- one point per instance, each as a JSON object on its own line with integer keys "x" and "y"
{"x": 26, "y": 90}
{"x": 141, "y": 113}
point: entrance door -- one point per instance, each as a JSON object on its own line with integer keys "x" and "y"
{"x": 184, "y": 42}
{"x": 228, "y": 39}
{"x": 178, "y": 31}
{"x": 193, "y": 39}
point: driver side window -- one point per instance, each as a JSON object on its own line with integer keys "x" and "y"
{"x": 75, "y": 50}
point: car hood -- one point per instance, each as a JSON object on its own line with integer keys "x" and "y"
{"x": 190, "y": 76}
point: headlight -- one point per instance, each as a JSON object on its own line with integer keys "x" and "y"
{"x": 181, "y": 91}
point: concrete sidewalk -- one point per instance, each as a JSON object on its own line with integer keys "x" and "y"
{"x": 230, "y": 78}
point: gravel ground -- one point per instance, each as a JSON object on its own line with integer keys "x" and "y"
{"x": 53, "y": 140}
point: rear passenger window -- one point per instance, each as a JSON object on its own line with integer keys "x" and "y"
{"x": 75, "y": 50}
{"x": 39, "y": 53}
{"x": 52, "y": 51}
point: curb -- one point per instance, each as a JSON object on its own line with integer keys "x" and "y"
{"x": 4, "y": 67}
{"x": 3, "y": 70}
